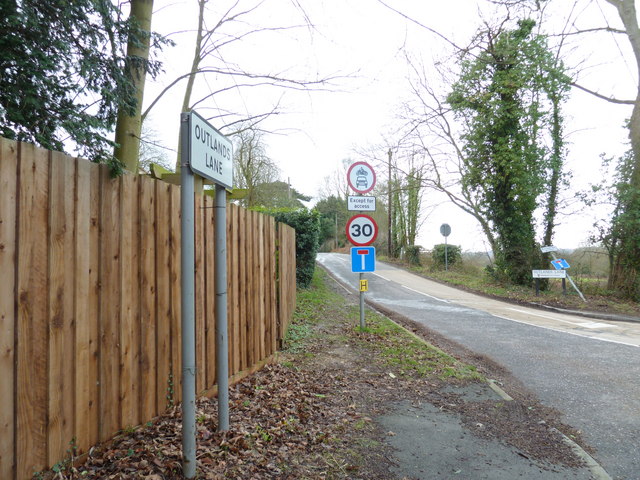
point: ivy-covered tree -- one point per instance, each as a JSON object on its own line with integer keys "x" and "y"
{"x": 508, "y": 97}
{"x": 407, "y": 191}
{"x": 62, "y": 73}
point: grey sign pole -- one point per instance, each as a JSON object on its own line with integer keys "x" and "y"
{"x": 445, "y": 230}
{"x": 222, "y": 344}
{"x": 362, "y": 322}
{"x": 575, "y": 287}
{"x": 188, "y": 306}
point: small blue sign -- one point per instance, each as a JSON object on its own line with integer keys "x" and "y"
{"x": 560, "y": 264}
{"x": 363, "y": 259}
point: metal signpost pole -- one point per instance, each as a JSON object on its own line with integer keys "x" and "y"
{"x": 446, "y": 255}
{"x": 575, "y": 287}
{"x": 362, "y": 323}
{"x": 445, "y": 230}
{"x": 222, "y": 345}
{"x": 188, "y": 307}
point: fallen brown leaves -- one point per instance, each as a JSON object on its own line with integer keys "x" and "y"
{"x": 309, "y": 417}
{"x": 284, "y": 425}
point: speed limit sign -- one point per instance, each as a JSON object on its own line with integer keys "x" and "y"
{"x": 362, "y": 230}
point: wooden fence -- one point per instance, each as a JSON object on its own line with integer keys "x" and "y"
{"x": 90, "y": 301}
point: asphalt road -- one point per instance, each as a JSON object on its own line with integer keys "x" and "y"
{"x": 587, "y": 368}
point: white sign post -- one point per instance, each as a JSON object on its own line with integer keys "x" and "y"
{"x": 206, "y": 152}
{"x": 210, "y": 152}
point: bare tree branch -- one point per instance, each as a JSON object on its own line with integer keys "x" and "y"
{"x": 603, "y": 97}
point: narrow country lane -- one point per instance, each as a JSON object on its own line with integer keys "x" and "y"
{"x": 587, "y": 368}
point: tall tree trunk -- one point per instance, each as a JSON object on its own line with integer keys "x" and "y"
{"x": 625, "y": 275}
{"x": 129, "y": 126}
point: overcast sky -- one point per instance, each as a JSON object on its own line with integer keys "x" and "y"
{"x": 367, "y": 41}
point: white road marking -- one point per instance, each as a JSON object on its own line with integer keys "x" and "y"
{"x": 425, "y": 294}
{"x": 577, "y": 334}
{"x": 556, "y": 319}
{"x": 597, "y": 325}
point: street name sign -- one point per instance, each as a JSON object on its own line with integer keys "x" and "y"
{"x": 361, "y": 230}
{"x": 363, "y": 259}
{"x": 210, "y": 152}
{"x": 361, "y": 177}
{"x": 361, "y": 204}
{"x": 549, "y": 274}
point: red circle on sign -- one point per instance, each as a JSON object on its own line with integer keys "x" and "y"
{"x": 362, "y": 230}
{"x": 360, "y": 183}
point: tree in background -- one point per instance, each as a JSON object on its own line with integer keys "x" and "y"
{"x": 333, "y": 219}
{"x": 62, "y": 74}
{"x": 152, "y": 151}
{"x": 279, "y": 194}
{"x": 504, "y": 97}
{"x": 407, "y": 191}
{"x": 252, "y": 166}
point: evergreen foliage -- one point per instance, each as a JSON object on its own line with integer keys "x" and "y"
{"x": 453, "y": 254}
{"x": 412, "y": 254}
{"x": 333, "y": 218}
{"x": 307, "y": 225}
{"x": 63, "y": 73}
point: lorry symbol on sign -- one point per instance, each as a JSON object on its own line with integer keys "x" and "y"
{"x": 361, "y": 178}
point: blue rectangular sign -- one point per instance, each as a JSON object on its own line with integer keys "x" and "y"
{"x": 363, "y": 259}
{"x": 560, "y": 264}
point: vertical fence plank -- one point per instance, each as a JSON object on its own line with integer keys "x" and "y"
{"x": 257, "y": 315}
{"x": 148, "y": 388}
{"x": 286, "y": 275}
{"x": 261, "y": 318}
{"x": 210, "y": 307}
{"x": 129, "y": 320}
{"x": 199, "y": 297}
{"x": 32, "y": 347}
{"x": 110, "y": 305}
{"x": 8, "y": 207}
{"x": 271, "y": 281}
{"x": 230, "y": 248}
{"x": 86, "y": 303}
{"x": 176, "y": 324}
{"x": 242, "y": 272}
{"x": 60, "y": 426}
{"x": 234, "y": 327}
{"x": 251, "y": 288}
{"x": 163, "y": 282}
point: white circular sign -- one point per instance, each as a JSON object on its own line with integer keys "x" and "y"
{"x": 361, "y": 177}
{"x": 361, "y": 230}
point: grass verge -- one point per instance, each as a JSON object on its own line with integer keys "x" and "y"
{"x": 397, "y": 348}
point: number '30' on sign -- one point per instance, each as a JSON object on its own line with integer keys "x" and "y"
{"x": 361, "y": 230}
